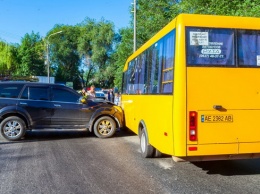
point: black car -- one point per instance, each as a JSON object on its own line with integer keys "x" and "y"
{"x": 27, "y": 105}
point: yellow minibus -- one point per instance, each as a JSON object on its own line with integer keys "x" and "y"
{"x": 193, "y": 90}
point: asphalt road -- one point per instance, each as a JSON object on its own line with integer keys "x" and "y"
{"x": 78, "y": 162}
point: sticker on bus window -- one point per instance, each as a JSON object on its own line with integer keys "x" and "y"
{"x": 258, "y": 60}
{"x": 199, "y": 38}
{"x": 216, "y": 118}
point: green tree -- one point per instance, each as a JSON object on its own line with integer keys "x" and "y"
{"x": 8, "y": 58}
{"x": 31, "y": 56}
{"x": 221, "y": 7}
{"x": 63, "y": 54}
{"x": 4, "y": 55}
{"x": 85, "y": 48}
{"x": 151, "y": 16}
{"x": 123, "y": 50}
{"x": 95, "y": 45}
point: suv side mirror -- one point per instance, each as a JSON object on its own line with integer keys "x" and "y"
{"x": 83, "y": 100}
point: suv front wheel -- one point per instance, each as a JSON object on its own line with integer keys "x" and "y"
{"x": 104, "y": 127}
{"x": 12, "y": 128}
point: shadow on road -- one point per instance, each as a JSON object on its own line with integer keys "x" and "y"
{"x": 231, "y": 167}
{"x": 124, "y": 133}
{"x": 49, "y": 135}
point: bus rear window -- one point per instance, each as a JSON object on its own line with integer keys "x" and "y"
{"x": 249, "y": 48}
{"x": 209, "y": 47}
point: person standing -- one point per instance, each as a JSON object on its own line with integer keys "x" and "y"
{"x": 117, "y": 99}
{"x": 108, "y": 95}
{"x": 91, "y": 93}
{"x": 83, "y": 93}
{"x": 112, "y": 95}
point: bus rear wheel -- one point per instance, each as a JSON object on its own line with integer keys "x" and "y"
{"x": 146, "y": 149}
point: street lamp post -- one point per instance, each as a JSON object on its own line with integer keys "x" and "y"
{"x": 134, "y": 11}
{"x": 48, "y": 58}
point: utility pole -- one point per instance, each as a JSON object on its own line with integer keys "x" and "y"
{"x": 48, "y": 57}
{"x": 134, "y": 25}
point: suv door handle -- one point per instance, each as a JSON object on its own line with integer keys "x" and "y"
{"x": 57, "y": 105}
{"x": 23, "y": 103}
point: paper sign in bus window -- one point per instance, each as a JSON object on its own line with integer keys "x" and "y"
{"x": 211, "y": 51}
{"x": 199, "y": 38}
{"x": 258, "y": 60}
{"x": 211, "y": 47}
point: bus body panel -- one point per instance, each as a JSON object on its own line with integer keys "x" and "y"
{"x": 252, "y": 146}
{"x": 213, "y": 149}
{"x": 156, "y": 112}
{"x": 128, "y": 105}
{"x": 237, "y": 90}
{"x": 226, "y": 151}
{"x": 217, "y": 21}
{"x": 179, "y": 92}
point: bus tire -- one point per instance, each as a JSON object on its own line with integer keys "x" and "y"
{"x": 13, "y": 128}
{"x": 157, "y": 154}
{"x": 147, "y": 150}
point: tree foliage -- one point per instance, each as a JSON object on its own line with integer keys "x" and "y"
{"x": 8, "y": 59}
{"x": 63, "y": 54}
{"x": 123, "y": 50}
{"x": 95, "y": 46}
{"x": 221, "y": 7}
{"x": 153, "y": 15}
{"x": 31, "y": 56}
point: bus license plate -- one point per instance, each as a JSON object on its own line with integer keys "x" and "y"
{"x": 216, "y": 118}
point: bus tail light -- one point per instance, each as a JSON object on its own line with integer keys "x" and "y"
{"x": 193, "y": 126}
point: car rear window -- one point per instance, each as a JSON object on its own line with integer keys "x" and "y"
{"x": 10, "y": 91}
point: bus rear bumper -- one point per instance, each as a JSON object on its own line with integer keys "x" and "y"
{"x": 215, "y": 157}
{"x": 232, "y": 151}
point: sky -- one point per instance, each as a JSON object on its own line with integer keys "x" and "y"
{"x": 18, "y": 17}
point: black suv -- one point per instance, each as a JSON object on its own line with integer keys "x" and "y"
{"x": 27, "y": 105}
